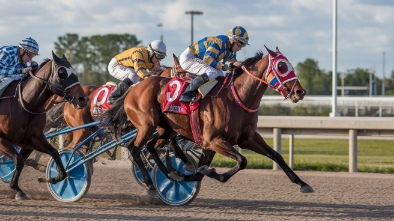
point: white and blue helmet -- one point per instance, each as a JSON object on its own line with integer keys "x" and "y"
{"x": 30, "y": 45}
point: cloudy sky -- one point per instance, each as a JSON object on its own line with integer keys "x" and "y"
{"x": 301, "y": 28}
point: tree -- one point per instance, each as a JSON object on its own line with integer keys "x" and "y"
{"x": 357, "y": 77}
{"x": 314, "y": 80}
{"x": 91, "y": 55}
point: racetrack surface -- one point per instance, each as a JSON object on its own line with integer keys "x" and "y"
{"x": 249, "y": 195}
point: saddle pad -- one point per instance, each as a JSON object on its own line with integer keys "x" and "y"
{"x": 4, "y": 82}
{"x": 100, "y": 97}
{"x": 173, "y": 92}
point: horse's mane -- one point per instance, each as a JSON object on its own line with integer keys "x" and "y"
{"x": 46, "y": 60}
{"x": 251, "y": 61}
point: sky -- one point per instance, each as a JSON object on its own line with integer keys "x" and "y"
{"x": 301, "y": 29}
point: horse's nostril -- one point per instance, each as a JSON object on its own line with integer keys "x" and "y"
{"x": 300, "y": 92}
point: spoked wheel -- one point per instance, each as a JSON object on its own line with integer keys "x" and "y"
{"x": 175, "y": 193}
{"x": 77, "y": 183}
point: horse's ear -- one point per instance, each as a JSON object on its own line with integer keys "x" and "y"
{"x": 272, "y": 53}
{"x": 55, "y": 57}
{"x": 64, "y": 56}
{"x": 176, "y": 60}
{"x": 174, "y": 56}
{"x": 277, "y": 50}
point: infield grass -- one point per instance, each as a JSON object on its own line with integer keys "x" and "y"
{"x": 375, "y": 156}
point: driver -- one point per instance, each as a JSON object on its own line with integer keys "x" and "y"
{"x": 135, "y": 64}
{"x": 207, "y": 58}
{"x": 14, "y": 59}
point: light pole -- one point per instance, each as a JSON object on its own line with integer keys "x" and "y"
{"x": 192, "y": 13}
{"x": 384, "y": 55}
{"x": 334, "y": 112}
{"x": 161, "y": 34}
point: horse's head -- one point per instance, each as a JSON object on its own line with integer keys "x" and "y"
{"x": 281, "y": 76}
{"x": 64, "y": 82}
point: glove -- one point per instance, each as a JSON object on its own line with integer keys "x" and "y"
{"x": 237, "y": 64}
{"x": 25, "y": 70}
{"x": 33, "y": 65}
{"x": 225, "y": 67}
{"x": 146, "y": 76}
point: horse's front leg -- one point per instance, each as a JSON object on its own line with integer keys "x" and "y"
{"x": 136, "y": 156}
{"x": 257, "y": 144}
{"x": 223, "y": 147}
{"x": 8, "y": 150}
{"x": 41, "y": 144}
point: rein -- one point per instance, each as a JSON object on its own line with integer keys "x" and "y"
{"x": 22, "y": 103}
{"x": 44, "y": 81}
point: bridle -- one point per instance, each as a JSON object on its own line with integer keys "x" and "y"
{"x": 52, "y": 86}
{"x": 279, "y": 86}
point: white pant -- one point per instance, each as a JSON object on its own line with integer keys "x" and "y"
{"x": 121, "y": 72}
{"x": 193, "y": 64}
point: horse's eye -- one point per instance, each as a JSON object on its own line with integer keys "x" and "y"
{"x": 282, "y": 67}
{"x": 62, "y": 73}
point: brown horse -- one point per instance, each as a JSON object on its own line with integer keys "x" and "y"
{"x": 78, "y": 117}
{"x": 22, "y": 114}
{"x": 227, "y": 116}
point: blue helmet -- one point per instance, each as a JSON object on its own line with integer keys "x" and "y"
{"x": 239, "y": 34}
{"x": 30, "y": 45}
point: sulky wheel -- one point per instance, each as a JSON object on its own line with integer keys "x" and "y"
{"x": 7, "y": 168}
{"x": 77, "y": 183}
{"x": 149, "y": 164}
{"x": 138, "y": 175}
{"x": 171, "y": 192}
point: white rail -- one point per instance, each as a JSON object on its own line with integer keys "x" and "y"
{"x": 351, "y": 127}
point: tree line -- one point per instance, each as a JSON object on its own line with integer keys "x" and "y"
{"x": 90, "y": 57}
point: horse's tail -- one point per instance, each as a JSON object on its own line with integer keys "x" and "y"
{"x": 114, "y": 118}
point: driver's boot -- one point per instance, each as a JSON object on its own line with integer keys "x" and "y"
{"x": 120, "y": 89}
{"x": 189, "y": 95}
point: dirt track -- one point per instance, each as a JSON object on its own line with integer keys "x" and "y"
{"x": 249, "y": 195}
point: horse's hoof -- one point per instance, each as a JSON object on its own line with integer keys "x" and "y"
{"x": 306, "y": 189}
{"x": 206, "y": 171}
{"x": 20, "y": 196}
{"x": 189, "y": 167}
{"x": 42, "y": 180}
{"x": 174, "y": 175}
{"x": 152, "y": 193}
{"x": 202, "y": 168}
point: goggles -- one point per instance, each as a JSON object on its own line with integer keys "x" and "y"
{"x": 159, "y": 55}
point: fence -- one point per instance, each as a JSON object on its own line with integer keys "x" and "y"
{"x": 352, "y": 127}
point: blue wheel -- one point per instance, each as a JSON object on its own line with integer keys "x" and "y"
{"x": 149, "y": 164}
{"x": 77, "y": 183}
{"x": 138, "y": 175}
{"x": 7, "y": 168}
{"x": 175, "y": 193}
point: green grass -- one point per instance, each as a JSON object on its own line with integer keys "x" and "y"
{"x": 375, "y": 156}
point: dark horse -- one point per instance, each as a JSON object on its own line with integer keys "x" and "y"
{"x": 227, "y": 116}
{"x": 22, "y": 114}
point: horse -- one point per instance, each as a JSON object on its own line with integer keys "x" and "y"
{"x": 227, "y": 117}
{"x": 22, "y": 114}
{"x": 78, "y": 117}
